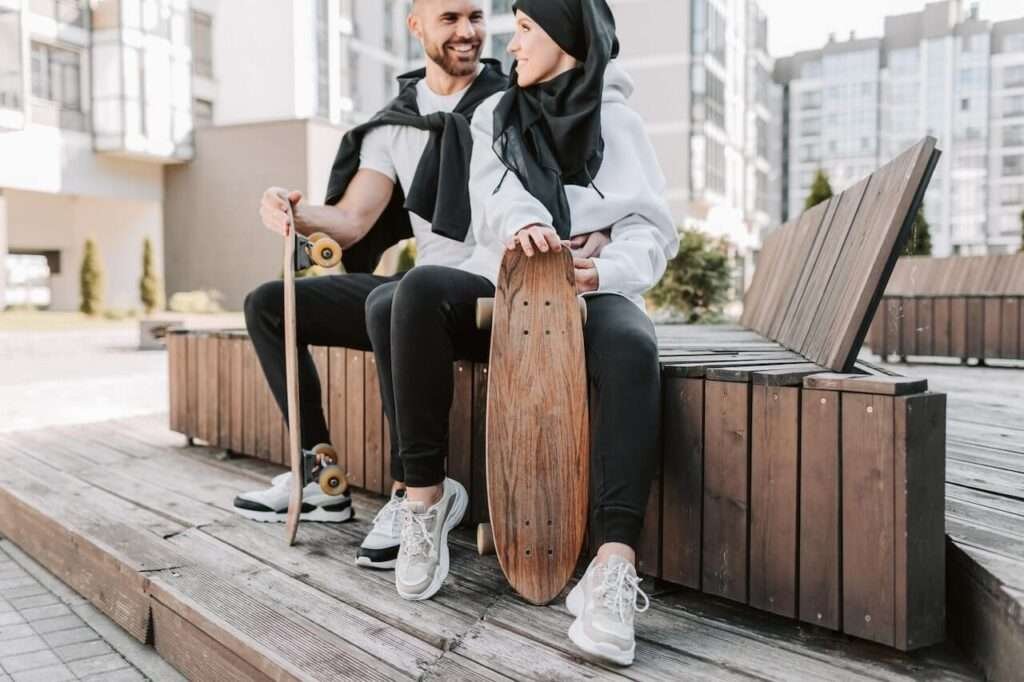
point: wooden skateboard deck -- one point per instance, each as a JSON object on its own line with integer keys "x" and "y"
{"x": 299, "y": 253}
{"x": 538, "y": 437}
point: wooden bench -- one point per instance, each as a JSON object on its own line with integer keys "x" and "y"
{"x": 959, "y": 307}
{"x": 791, "y": 479}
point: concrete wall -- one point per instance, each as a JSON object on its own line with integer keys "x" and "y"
{"x": 214, "y": 237}
{"x": 41, "y": 221}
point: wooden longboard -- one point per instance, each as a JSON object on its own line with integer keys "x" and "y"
{"x": 291, "y": 356}
{"x": 538, "y": 438}
{"x": 299, "y": 253}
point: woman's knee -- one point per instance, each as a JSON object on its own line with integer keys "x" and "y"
{"x": 626, "y": 349}
{"x": 378, "y": 310}
{"x": 423, "y": 285}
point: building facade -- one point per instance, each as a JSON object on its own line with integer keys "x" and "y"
{"x": 105, "y": 107}
{"x": 943, "y": 71}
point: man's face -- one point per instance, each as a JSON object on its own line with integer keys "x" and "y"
{"x": 452, "y": 33}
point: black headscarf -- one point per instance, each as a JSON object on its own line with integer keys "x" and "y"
{"x": 549, "y": 134}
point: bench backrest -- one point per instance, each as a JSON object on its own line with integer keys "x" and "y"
{"x": 819, "y": 277}
{"x": 958, "y": 276}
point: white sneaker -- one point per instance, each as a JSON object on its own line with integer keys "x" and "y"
{"x": 422, "y": 563}
{"x": 604, "y": 603}
{"x": 271, "y": 505}
{"x": 380, "y": 548}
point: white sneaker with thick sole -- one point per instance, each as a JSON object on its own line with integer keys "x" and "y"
{"x": 423, "y": 557}
{"x": 271, "y": 505}
{"x": 380, "y": 548}
{"x": 604, "y": 604}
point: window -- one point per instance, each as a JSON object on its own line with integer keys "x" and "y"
{"x": 810, "y": 99}
{"x": 1013, "y": 165}
{"x": 502, "y": 7}
{"x": 811, "y": 127}
{"x": 965, "y": 104}
{"x": 1013, "y": 43}
{"x": 708, "y": 30}
{"x": 1013, "y": 76}
{"x": 715, "y": 100}
{"x": 70, "y": 12}
{"x": 56, "y": 75}
{"x": 202, "y": 112}
{"x": 202, "y": 44}
{"x": 1013, "y": 135}
{"x": 1013, "y": 106}
{"x": 715, "y": 166}
{"x": 1011, "y": 195}
{"x": 389, "y": 23}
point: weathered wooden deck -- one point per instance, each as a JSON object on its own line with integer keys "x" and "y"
{"x": 984, "y": 508}
{"x": 123, "y": 509}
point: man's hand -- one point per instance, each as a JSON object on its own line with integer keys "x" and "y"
{"x": 586, "y": 275}
{"x": 274, "y": 209}
{"x": 590, "y": 245}
{"x": 541, "y": 237}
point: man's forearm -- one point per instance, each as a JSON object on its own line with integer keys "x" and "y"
{"x": 342, "y": 225}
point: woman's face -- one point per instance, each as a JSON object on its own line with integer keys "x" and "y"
{"x": 538, "y": 57}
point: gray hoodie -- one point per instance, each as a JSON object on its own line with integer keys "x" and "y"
{"x": 643, "y": 234}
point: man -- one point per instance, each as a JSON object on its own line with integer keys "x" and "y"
{"x": 402, "y": 174}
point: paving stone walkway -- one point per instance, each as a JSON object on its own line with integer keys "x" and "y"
{"x": 48, "y": 633}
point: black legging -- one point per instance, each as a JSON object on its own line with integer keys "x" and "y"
{"x": 433, "y": 323}
{"x": 334, "y": 310}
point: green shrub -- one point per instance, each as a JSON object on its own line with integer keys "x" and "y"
{"x": 149, "y": 285}
{"x": 696, "y": 282}
{"x": 920, "y": 241}
{"x": 821, "y": 190}
{"x": 91, "y": 280}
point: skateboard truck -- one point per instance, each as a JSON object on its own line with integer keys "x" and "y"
{"x": 320, "y": 464}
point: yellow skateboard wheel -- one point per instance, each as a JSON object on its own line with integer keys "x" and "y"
{"x": 333, "y": 481}
{"x": 324, "y": 251}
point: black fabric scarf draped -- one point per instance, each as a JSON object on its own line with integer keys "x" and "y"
{"x": 439, "y": 193}
{"x": 549, "y": 134}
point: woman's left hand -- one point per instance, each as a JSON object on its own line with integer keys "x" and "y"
{"x": 590, "y": 245}
{"x": 586, "y": 274}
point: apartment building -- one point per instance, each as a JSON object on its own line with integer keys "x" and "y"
{"x": 943, "y": 71}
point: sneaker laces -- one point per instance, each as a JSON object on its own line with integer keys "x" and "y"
{"x": 620, "y": 590}
{"x": 388, "y": 515}
{"x": 416, "y": 539}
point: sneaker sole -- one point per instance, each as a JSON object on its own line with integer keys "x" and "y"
{"x": 318, "y": 515}
{"x": 605, "y": 652}
{"x": 365, "y": 562}
{"x": 454, "y": 519}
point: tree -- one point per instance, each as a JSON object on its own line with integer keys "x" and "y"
{"x": 149, "y": 285}
{"x": 696, "y": 281}
{"x": 407, "y": 256}
{"x": 920, "y": 242}
{"x": 821, "y": 190}
{"x": 91, "y": 280}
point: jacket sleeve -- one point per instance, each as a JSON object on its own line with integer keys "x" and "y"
{"x": 501, "y": 205}
{"x": 635, "y": 260}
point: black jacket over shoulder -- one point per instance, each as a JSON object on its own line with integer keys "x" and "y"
{"x": 439, "y": 193}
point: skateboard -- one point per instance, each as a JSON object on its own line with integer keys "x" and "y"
{"x": 301, "y": 252}
{"x": 537, "y": 431}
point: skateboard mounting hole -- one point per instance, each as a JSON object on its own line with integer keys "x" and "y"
{"x": 550, "y": 551}
{"x": 547, "y": 332}
{"x": 526, "y": 332}
{"x": 527, "y": 523}
{"x": 549, "y": 522}
{"x": 547, "y": 302}
{"x": 527, "y": 552}
{"x": 526, "y": 303}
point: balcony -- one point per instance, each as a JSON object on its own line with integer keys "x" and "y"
{"x": 141, "y": 82}
{"x": 12, "y": 72}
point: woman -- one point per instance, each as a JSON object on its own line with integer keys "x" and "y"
{"x": 557, "y": 156}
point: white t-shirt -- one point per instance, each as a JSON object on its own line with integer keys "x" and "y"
{"x": 395, "y": 151}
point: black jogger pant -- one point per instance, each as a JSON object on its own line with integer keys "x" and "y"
{"x": 333, "y": 310}
{"x": 433, "y": 323}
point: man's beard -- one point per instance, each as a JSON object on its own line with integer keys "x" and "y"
{"x": 451, "y": 62}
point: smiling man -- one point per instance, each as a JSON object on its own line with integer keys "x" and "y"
{"x": 402, "y": 174}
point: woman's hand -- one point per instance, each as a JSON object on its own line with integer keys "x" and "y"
{"x": 586, "y": 275}
{"x": 590, "y": 245}
{"x": 541, "y": 237}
